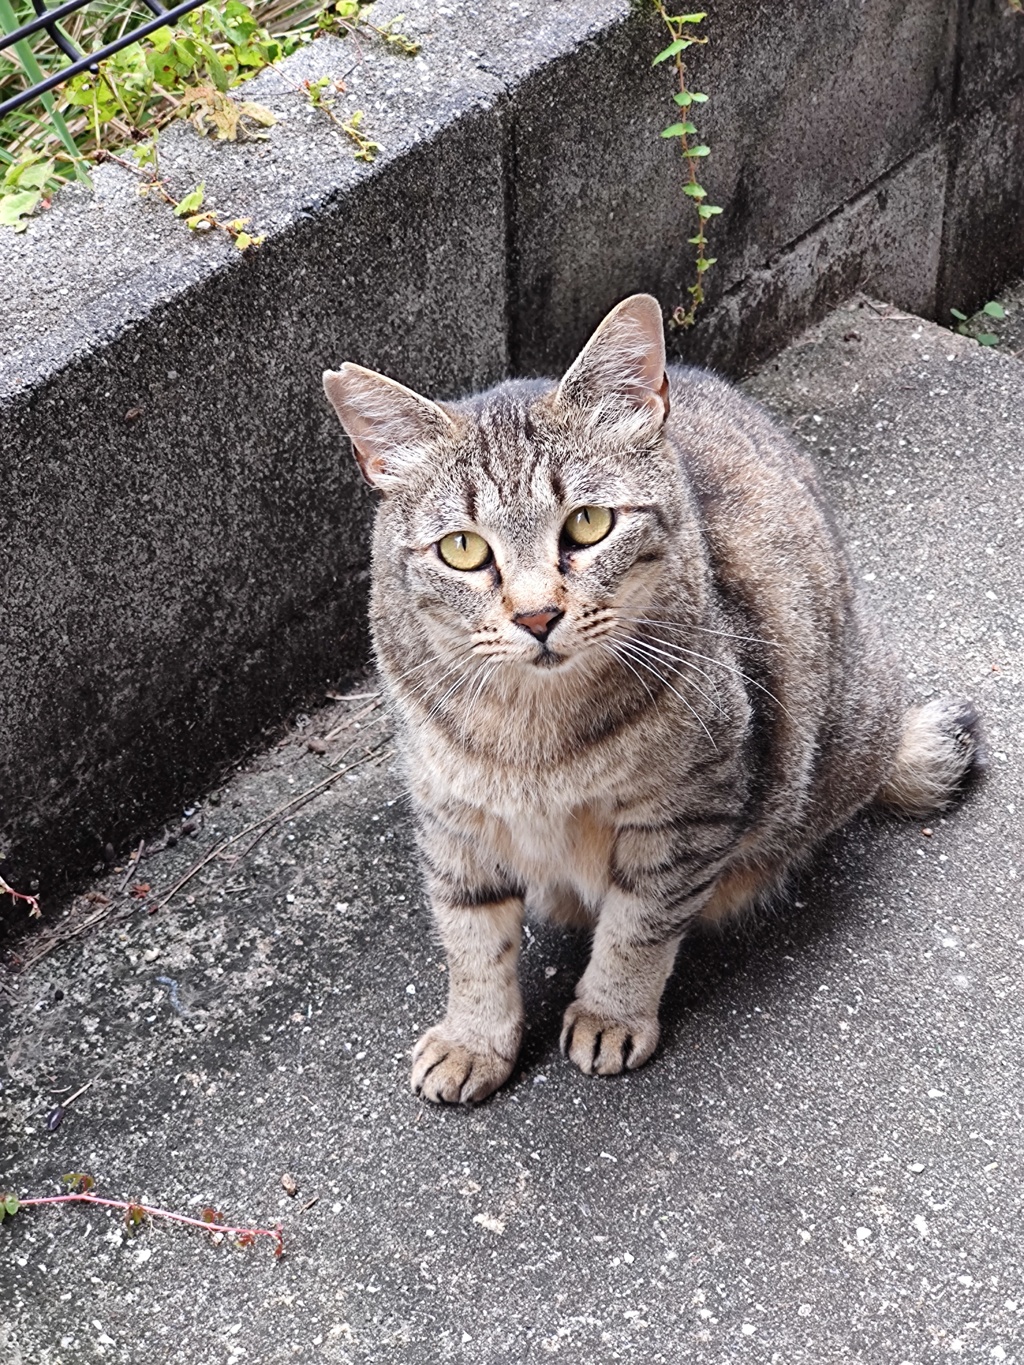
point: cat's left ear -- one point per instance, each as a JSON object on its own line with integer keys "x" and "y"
{"x": 392, "y": 429}
{"x": 619, "y": 375}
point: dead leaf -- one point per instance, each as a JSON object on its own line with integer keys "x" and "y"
{"x": 215, "y": 114}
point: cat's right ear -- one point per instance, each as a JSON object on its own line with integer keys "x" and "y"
{"x": 391, "y": 427}
{"x": 619, "y": 378}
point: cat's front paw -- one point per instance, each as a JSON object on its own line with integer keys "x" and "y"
{"x": 447, "y": 1071}
{"x": 603, "y": 1046}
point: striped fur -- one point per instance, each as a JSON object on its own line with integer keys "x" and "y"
{"x": 712, "y": 703}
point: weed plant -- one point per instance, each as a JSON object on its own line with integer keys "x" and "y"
{"x": 187, "y": 70}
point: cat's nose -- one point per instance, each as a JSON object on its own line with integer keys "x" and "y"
{"x": 539, "y": 623}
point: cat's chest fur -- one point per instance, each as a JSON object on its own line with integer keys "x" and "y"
{"x": 546, "y": 826}
{"x": 550, "y": 848}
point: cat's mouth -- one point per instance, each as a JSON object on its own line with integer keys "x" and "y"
{"x": 548, "y": 658}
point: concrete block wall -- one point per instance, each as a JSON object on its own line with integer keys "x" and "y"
{"x": 874, "y": 146}
{"x": 185, "y": 548}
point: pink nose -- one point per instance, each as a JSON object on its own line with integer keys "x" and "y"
{"x": 539, "y": 623}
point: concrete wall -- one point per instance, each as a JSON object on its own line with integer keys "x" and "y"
{"x": 184, "y": 535}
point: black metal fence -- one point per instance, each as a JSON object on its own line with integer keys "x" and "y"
{"x": 47, "y": 22}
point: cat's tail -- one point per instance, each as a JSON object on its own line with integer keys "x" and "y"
{"x": 941, "y": 749}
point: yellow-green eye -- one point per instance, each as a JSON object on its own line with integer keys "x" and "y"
{"x": 464, "y": 550}
{"x": 588, "y": 525}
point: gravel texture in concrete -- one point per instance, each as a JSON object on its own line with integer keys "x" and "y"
{"x": 822, "y": 1162}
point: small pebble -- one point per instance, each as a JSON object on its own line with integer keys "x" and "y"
{"x": 55, "y": 1118}
{"x": 927, "y": 833}
{"x": 290, "y": 1185}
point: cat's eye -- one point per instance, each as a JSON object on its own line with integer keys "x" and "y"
{"x": 464, "y": 550}
{"x": 588, "y": 525}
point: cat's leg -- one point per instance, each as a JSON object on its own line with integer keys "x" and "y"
{"x": 474, "y": 1048}
{"x": 662, "y": 877}
{"x": 613, "y": 1022}
{"x": 479, "y": 914}
{"x": 740, "y": 888}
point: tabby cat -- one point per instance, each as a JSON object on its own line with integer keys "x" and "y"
{"x": 633, "y": 678}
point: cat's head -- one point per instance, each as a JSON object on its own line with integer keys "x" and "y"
{"x": 532, "y": 524}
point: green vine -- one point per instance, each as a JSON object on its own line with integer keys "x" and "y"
{"x": 321, "y": 96}
{"x": 681, "y": 30}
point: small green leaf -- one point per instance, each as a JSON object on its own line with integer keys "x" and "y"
{"x": 686, "y": 18}
{"x": 677, "y": 130}
{"x": 676, "y": 45}
{"x": 698, "y": 98}
{"x": 683, "y": 97}
{"x": 993, "y": 309}
{"x": 217, "y": 73}
{"x": 708, "y": 210}
{"x": 960, "y": 317}
{"x": 702, "y": 150}
{"x": 705, "y": 263}
{"x": 695, "y": 241}
{"x": 134, "y": 1215}
{"x": 695, "y": 191}
{"x": 192, "y": 202}
{"x": 15, "y": 207}
{"x": 35, "y": 175}
{"x": 242, "y": 240}
{"x": 987, "y": 339}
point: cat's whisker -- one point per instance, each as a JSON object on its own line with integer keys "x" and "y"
{"x": 646, "y": 663}
{"x": 676, "y": 666}
{"x": 478, "y": 689}
{"x": 687, "y": 627}
{"x": 462, "y": 653}
{"x": 611, "y": 648}
{"x": 671, "y": 650}
{"x": 640, "y": 650}
{"x": 731, "y": 668}
{"x": 422, "y": 690}
{"x": 436, "y": 708}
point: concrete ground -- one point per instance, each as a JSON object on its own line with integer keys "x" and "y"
{"x": 822, "y": 1163}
